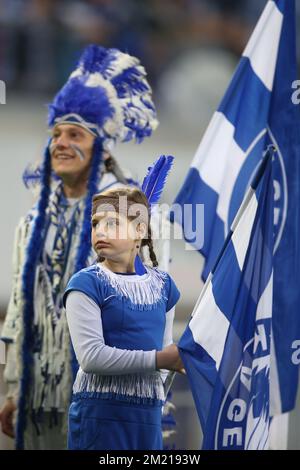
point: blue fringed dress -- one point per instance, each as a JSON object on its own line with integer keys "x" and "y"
{"x": 117, "y": 323}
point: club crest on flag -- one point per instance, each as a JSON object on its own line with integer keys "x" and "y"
{"x": 246, "y": 417}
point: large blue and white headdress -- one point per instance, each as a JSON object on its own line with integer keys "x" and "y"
{"x": 109, "y": 95}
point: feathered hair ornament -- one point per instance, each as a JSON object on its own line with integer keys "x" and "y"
{"x": 155, "y": 179}
{"x": 152, "y": 186}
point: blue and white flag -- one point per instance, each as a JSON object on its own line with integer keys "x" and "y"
{"x": 257, "y": 110}
{"x": 226, "y": 346}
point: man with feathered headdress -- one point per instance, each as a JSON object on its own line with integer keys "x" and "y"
{"x": 106, "y": 99}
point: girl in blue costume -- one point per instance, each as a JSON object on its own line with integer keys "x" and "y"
{"x": 120, "y": 323}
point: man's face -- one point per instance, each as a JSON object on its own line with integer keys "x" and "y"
{"x": 71, "y": 150}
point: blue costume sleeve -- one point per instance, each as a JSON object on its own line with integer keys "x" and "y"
{"x": 87, "y": 282}
{"x": 173, "y": 295}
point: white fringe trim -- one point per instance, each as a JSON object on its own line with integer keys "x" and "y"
{"x": 149, "y": 386}
{"x": 144, "y": 291}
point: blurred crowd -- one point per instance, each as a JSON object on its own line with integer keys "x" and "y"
{"x": 40, "y": 40}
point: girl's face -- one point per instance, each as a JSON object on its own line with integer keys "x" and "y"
{"x": 114, "y": 236}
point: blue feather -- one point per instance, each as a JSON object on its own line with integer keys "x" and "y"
{"x": 152, "y": 187}
{"x": 155, "y": 179}
{"x": 97, "y": 59}
{"x": 130, "y": 82}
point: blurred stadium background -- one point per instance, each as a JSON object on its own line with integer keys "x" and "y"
{"x": 189, "y": 48}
